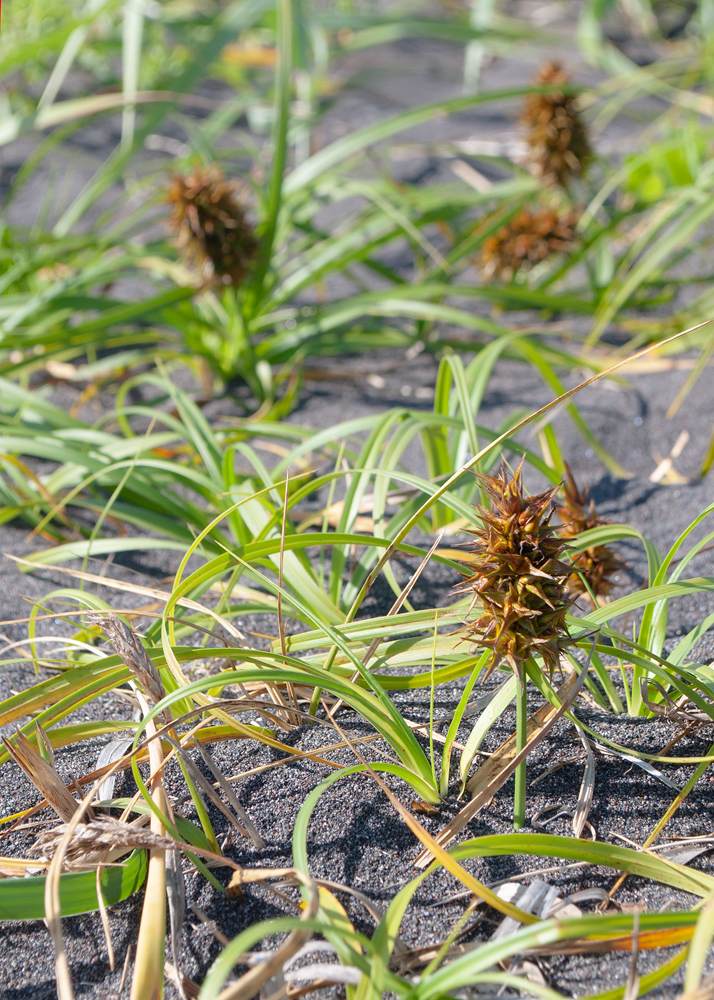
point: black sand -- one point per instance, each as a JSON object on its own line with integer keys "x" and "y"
{"x": 355, "y": 836}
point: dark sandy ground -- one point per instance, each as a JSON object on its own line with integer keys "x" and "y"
{"x": 355, "y": 836}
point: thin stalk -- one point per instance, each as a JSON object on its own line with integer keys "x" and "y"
{"x": 519, "y": 794}
{"x": 148, "y": 981}
{"x": 280, "y": 142}
{"x": 431, "y": 699}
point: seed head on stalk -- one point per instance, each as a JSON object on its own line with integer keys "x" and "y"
{"x": 210, "y": 226}
{"x": 596, "y": 565}
{"x": 531, "y": 236}
{"x": 556, "y": 136}
{"x": 516, "y": 575}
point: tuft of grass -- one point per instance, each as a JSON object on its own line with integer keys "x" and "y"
{"x": 336, "y": 658}
{"x": 233, "y": 499}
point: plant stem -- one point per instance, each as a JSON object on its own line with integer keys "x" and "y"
{"x": 148, "y": 980}
{"x": 280, "y": 141}
{"x": 519, "y": 795}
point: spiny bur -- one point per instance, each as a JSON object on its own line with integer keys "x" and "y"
{"x": 530, "y": 237}
{"x": 517, "y": 576}
{"x": 595, "y": 566}
{"x": 556, "y": 136}
{"x": 211, "y": 229}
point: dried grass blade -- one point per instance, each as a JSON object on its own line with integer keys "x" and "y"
{"x": 208, "y": 790}
{"x": 501, "y": 765}
{"x": 109, "y": 754}
{"x": 52, "y": 897}
{"x": 320, "y": 974}
{"x": 147, "y": 982}
{"x": 53, "y": 917}
{"x": 587, "y": 787}
{"x": 186, "y": 987}
{"x": 638, "y": 762}
{"x": 251, "y": 981}
{"x": 176, "y": 894}
{"x": 537, "y": 898}
{"x": 42, "y": 736}
{"x": 632, "y": 986}
{"x": 104, "y": 918}
{"x": 227, "y": 790}
{"x": 125, "y": 970}
{"x": 42, "y": 775}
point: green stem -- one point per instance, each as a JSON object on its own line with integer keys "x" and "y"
{"x": 519, "y": 795}
{"x": 280, "y": 142}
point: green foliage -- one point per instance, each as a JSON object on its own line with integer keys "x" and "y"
{"x": 233, "y": 499}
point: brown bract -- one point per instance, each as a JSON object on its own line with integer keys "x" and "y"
{"x": 596, "y": 565}
{"x": 210, "y": 225}
{"x": 558, "y": 146}
{"x": 518, "y": 578}
{"x": 530, "y": 237}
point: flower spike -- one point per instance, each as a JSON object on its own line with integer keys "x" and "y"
{"x": 558, "y": 146}
{"x": 516, "y": 575}
{"x": 210, "y": 226}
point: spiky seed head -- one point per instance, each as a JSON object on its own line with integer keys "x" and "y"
{"x": 210, "y": 226}
{"x": 516, "y": 575}
{"x": 556, "y": 136}
{"x": 530, "y": 237}
{"x": 91, "y": 841}
{"x": 595, "y": 565}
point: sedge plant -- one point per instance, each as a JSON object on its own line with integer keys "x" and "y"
{"x": 359, "y": 661}
{"x": 518, "y": 582}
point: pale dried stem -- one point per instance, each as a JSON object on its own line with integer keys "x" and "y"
{"x": 147, "y": 982}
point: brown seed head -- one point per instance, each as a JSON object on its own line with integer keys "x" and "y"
{"x": 597, "y": 564}
{"x": 210, "y": 226}
{"x": 91, "y": 841}
{"x": 558, "y": 146}
{"x": 517, "y": 576}
{"x": 530, "y": 237}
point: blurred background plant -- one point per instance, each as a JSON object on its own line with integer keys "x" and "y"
{"x": 94, "y": 280}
